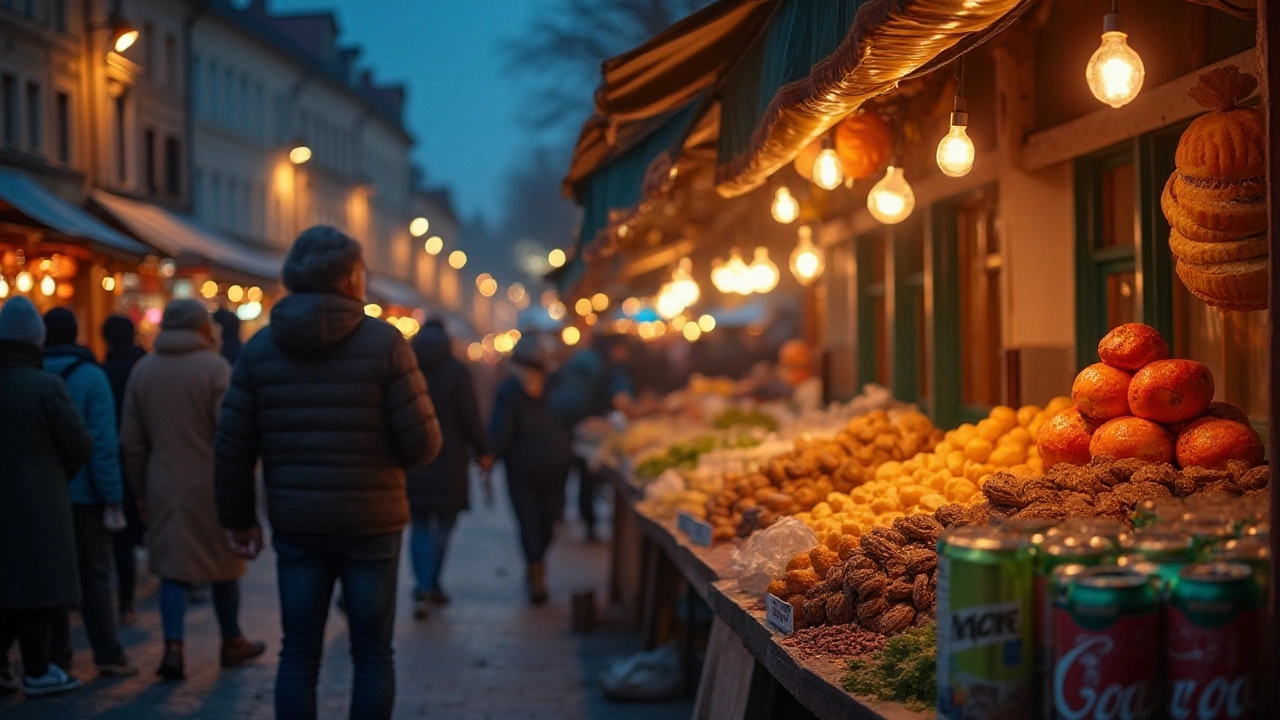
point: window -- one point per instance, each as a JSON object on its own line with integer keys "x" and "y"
{"x": 874, "y": 287}
{"x": 149, "y": 159}
{"x": 62, "y": 125}
{"x": 9, "y": 96}
{"x": 215, "y": 201}
{"x": 891, "y": 310}
{"x": 173, "y": 166}
{"x": 35, "y": 119}
{"x": 171, "y": 68}
{"x": 121, "y": 138}
{"x": 1107, "y": 249}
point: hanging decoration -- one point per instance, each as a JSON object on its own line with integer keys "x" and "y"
{"x": 1115, "y": 72}
{"x": 891, "y": 200}
{"x": 763, "y": 272}
{"x": 955, "y": 151}
{"x": 828, "y": 170}
{"x": 864, "y": 142}
{"x": 807, "y": 261}
{"x": 785, "y": 207}
{"x": 678, "y": 294}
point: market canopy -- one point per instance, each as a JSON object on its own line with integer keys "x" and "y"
{"x": 182, "y": 238}
{"x": 392, "y": 291}
{"x": 24, "y": 196}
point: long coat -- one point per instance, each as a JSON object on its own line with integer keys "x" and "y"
{"x": 442, "y": 484}
{"x": 44, "y": 444}
{"x": 170, "y": 417}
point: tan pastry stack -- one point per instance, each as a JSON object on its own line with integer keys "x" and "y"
{"x": 1215, "y": 199}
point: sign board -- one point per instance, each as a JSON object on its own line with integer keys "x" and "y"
{"x": 696, "y": 529}
{"x": 779, "y": 614}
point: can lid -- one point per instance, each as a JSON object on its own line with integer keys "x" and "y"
{"x": 982, "y": 537}
{"x": 1215, "y": 572}
{"x": 1157, "y": 539}
{"x": 1088, "y": 544}
{"x": 1062, "y": 572}
{"x": 1110, "y": 577}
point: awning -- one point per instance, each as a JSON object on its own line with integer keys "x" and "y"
{"x": 392, "y": 291}
{"x": 182, "y": 238}
{"x": 21, "y": 195}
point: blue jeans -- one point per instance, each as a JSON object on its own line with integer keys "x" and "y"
{"x": 428, "y": 545}
{"x": 173, "y": 607}
{"x": 308, "y": 566}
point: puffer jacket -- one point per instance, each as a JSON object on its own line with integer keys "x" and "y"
{"x": 534, "y": 447}
{"x": 442, "y": 485}
{"x": 100, "y": 480}
{"x": 334, "y": 404}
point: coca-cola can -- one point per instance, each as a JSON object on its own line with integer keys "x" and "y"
{"x": 1213, "y": 621}
{"x": 1104, "y": 633}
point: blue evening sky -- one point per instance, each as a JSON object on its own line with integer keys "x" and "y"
{"x": 463, "y": 108}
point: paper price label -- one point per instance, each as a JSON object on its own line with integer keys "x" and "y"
{"x": 779, "y": 614}
{"x": 696, "y": 529}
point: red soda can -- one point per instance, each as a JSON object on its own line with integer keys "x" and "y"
{"x": 1105, "y": 633}
{"x": 1213, "y": 645}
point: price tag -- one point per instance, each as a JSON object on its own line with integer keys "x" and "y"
{"x": 696, "y": 529}
{"x": 779, "y": 614}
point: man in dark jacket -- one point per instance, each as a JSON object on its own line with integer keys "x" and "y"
{"x": 230, "y": 325}
{"x": 122, "y": 354}
{"x": 439, "y": 490}
{"x": 333, "y": 402}
{"x": 97, "y": 495}
{"x": 45, "y": 444}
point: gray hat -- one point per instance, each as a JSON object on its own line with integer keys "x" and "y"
{"x": 20, "y": 321}
{"x": 186, "y": 314}
{"x": 528, "y": 352}
{"x": 319, "y": 260}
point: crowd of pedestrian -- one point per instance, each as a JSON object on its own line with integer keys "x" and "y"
{"x": 352, "y": 433}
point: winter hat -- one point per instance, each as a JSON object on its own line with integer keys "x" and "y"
{"x": 118, "y": 330}
{"x": 20, "y": 321}
{"x": 60, "y": 327}
{"x": 528, "y": 352}
{"x": 319, "y": 260}
{"x": 185, "y": 314}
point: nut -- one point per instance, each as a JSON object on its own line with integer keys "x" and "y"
{"x": 801, "y": 581}
{"x": 920, "y": 561}
{"x": 899, "y": 591}
{"x": 925, "y": 528}
{"x": 869, "y": 610}
{"x": 896, "y": 619}
{"x": 839, "y": 610}
{"x": 922, "y": 595}
{"x": 1004, "y": 489}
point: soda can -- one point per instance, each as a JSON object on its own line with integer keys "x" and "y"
{"x": 1248, "y": 550}
{"x": 985, "y": 625}
{"x": 1089, "y": 550}
{"x": 1035, "y": 530}
{"x": 1058, "y": 584}
{"x": 1081, "y": 526}
{"x": 1168, "y": 548}
{"x": 1213, "y": 620}
{"x": 1207, "y": 530}
{"x": 1105, "y": 627}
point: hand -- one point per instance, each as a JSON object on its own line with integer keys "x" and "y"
{"x": 246, "y": 543}
{"x": 486, "y": 462}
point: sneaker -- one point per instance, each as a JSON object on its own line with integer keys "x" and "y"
{"x": 54, "y": 682}
{"x": 8, "y": 683}
{"x": 120, "y": 668}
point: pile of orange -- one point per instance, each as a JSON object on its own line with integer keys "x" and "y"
{"x": 1140, "y": 403}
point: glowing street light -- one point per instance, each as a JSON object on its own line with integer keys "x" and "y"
{"x": 419, "y": 226}
{"x": 556, "y": 258}
{"x": 457, "y": 259}
{"x": 433, "y": 245}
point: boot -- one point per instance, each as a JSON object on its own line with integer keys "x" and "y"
{"x": 172, "y": 665}
{"x": 237, "y": 650}
{"x": 537, "y": 583}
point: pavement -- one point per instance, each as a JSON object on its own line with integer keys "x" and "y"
{"x": 487, "y": 655}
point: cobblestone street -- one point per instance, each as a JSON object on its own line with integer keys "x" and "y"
{"x": 487, "y": 655}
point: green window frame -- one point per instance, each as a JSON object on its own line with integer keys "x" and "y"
{"x": 901, "y": 290}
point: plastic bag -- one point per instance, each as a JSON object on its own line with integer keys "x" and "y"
{"x": 649, "y": 675}
{"x": 765, "y": 553}
{"x": 668, "y": 484}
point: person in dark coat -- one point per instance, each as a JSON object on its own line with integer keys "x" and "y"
{"x": 439, "y": 490}
{"x": 535, "y": 452}
{"x": 122, "y": 354}
{"x": 230, "y": 325}
{"x": 45, "y": 445}
{"x": 333, "y": 403}
{"x": 97, "y": 497}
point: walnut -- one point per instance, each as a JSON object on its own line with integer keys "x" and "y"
{"x": 800, "y": 581}
{"x": 920, "y": 561}
{"x": 1132, "y": 493}
{"x": 839, "y": 610}
{"x": 925, "y": 528}
{"x": 899, "y": 591}
{"x": 896, "y": 619}
{"x": 1110, "y": 505}
{"x": 979, "y": 513}
{"x": 922, "y": 595}
{"x": 869, "y": 610}
{"x": 1079, "y": 505}
{"x": 952, "y": 514}
{"x": 823, "y": 559}
{"x": 1004, "y": 489}
{"x": 1184, "y": 485}
{"x": 1256, "y": 479}
{"x": 1043, "y": 495}
{"x": 1160, "y": 473}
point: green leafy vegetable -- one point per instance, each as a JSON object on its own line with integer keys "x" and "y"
{"x": 904, "y": 671}
{"x": 751, "y": 418}
{"x": 685, "y": 454}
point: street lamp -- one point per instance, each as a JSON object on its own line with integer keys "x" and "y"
{"x": 123, "y": 33}
{"x": 419, "y": 226}
{"x": 299, "y": 153}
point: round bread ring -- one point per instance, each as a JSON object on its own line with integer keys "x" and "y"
{"x": 1239, "y": 286}
{"x": 1206, "y": 253}
{"x": 1210, "y": 208}
{"x": 1181, "y": 221}
{"x": 1198, "y": 191}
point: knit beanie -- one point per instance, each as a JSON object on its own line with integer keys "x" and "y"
{"x": 20, "y": 321}
{"x": 186, "y": 314}
{"x": 60, "y": 327}
{"x": 118, "y": 330}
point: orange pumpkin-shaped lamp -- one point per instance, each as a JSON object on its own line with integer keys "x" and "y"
{"x": 865, "y": 142}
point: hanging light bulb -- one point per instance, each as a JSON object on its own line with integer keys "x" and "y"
{"x": 785, "y": 207}
{"x": 24, "y": 282}
{"x": 48, "y": 286}
{"x": 720, "y": 277}
{"x": 668, "y": 304}
{"x": 739, "y": 275}
{"x": 828, "y": 171}
{"x": 4, "y": 288}
{"x": 1115, "y": 72}
{"x": 764, "y": 274}
{"x": 807, "y": 262}
{"x": 955, "y": 150}
{"x": 683, "y": 285}
{"x": 891, "y": 200}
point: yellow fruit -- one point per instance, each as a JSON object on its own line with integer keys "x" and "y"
{"x": 1058, "y": 404}
{"x": 1027, "y": 413}
{"x": 975, "y": 471}
{"x": 936, "y": 462}
{"x": 851, "y": 528}
{"x": 821, "y": 511}
{"x": 978, "y": 449}
{"x": 955, "y": 462}
{"x": 1007, "y": 456}
{"x": 932, "y": 501}
{"x": 959, "y": 490}
{"x": 911, "y": 494}
{"x": 888, "y": 470}
{"x": 938, "y": 480}
{"x": 885, "y": 504}
{"x": 1019, "y": 435}
{"x": 964, "y": 434}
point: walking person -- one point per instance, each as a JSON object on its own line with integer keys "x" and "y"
{"x": 535, "y": 453}
{"x": 122, "y": 354}
{"x": 230, "y": 325}
{"x": 333, "y": 403}
{"x": 97, "y": 494}
{"x": 170, "y": 417}
{"x": 439, "y": 490}
{"x": 45, "y": 445}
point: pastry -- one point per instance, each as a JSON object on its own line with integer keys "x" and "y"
{"x": 1202, "y": 253}
{"x": 1239, "y": 285}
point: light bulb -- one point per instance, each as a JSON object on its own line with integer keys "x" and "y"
{"x": 683, "y": 285}
{"x": 828, "y": 171}
{"x": 764, "y": 274}
{"x": 419, "y": 226}
{"x": 4, "y": 288}
{"x": 891, "y": 200}
{"x": 668, "y": 304}
{"x": 720, "y": 276}
{"x": 738, "y": 274}
{"x": 955, "y": 150}
{"x": 807, "y": 262}
{"x": 1115, "y": 72}
{"x": 24, "y": 282}
{"x": 48, "y": 286}
{"x": 785, "y": 207}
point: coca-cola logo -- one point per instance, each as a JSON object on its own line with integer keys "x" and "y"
{"x": 1221, "y": 698}
{"x": 1076, "y": 691}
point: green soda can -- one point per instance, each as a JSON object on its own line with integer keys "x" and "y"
{"x": 1080, "y": 526}
{"x": 1167, "y": 548}
{"x": 1035, "y": 530}
{"x": 1207, "y": 531}
{"x": 986, "y": 660}
{"x": 1247, "y": 551}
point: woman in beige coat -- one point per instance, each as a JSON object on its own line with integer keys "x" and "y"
{"x": 171, "y": 409}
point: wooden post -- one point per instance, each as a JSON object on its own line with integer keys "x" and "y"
{"x": 1269, "y": 38}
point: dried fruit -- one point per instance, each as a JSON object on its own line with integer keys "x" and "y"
{"x": 924, "y": 528}
{"x": 778, "y": 588}
{"x": 1004, "y": 489}
{"x": 799, "y": 562}
{"x": 800, "y": 581}
{"x": 839, "y": 610}
{"x": 896, "y": 619}
{"x": 823, "y": 559}
{"x": 899, "y": 591}
{"x": 922, "y": 595}
{"x": 920, "y": 561}
{"x": 848, "y": 543}
{"x": 869, "y": 610}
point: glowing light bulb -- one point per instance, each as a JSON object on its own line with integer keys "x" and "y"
{"x": 955, "y": 150}
{"x": 556, "y": 258}
{"x": 668, "y": 304}
{"x": 583, "y": 306}
{"x": 720, "y": 277}
{"x": 764, "y": 274}
{"x": 828, "y": 171}
{"x": 109, "y": 283}
{"x": 691, "y": 332}
{"x": 556, "y": 310}
{"x": 570, "y": 335}
{"x": 457, "y": 259}
{"x": 4, "y": 288}
{"x": 891, "y": 200}
{"x": 419, "y": 226}
{"x": 48, "y": 286}
{"x": 433, "y": 245}
{"x": 738, "y": 274}
{"x": 707, "y": 323}
{"x": 683, "y": 285}
{"x": 785, "y": 208}
{"x": 24, "y": 282}
{"x": 1115, "y": 72}
{"x": 807, "y": 261}
{"x": 209, "y": 288}
{"x": 373, "y": 310}
{"x": 599, "y": 302}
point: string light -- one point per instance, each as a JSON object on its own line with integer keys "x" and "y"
{"x": 785, "y": 207}
{"x": 691, "y": 332}
{"x": 556, "y": 310}
{"x": 683, "y": 285}
{"x": 707, "y": 323}
{"x": 235, "y": 293}
{"x": 556, "y": 258}
{"x": 1115, "y": 72}
{"x": 763, "y": 272}
{"x": 955, "y": 151}
{"x": 433, "y": 245}
{"x": 807, "y": 262}
{"x": 419, "y": 226}
{"x": 48, "y": 286}
{"x": 599, "y": 302}
{"x": 457, "y": 259}
{"x": 891, "y": 200}
{"x": 4, "y": 288}
{"x": 582, "y": 306}
{"x": 570, "y": 335}
{"x": 373, "y": 310}
{"x": 209, "y": 289}
{"x": 24, "y": 282}
{"x": 828, "y": 171}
